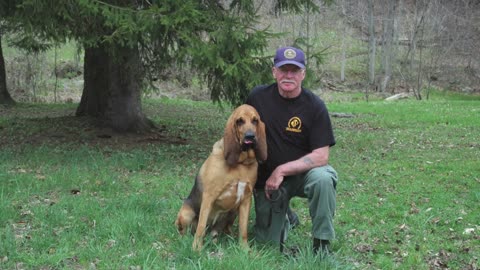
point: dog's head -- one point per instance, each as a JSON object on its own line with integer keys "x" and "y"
{"x": 244, "y": 131}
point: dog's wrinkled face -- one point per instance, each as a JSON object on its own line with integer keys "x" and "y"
{"x": 246, "y": 125}
{"x": 244, "y": 131}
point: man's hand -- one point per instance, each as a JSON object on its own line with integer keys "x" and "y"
{"x": 273, "y": 182}
{"x": 317, "y": 158}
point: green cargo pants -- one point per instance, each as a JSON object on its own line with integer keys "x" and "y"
{"x": 317, "y": 185}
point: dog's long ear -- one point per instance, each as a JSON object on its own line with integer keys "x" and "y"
{"x": 261, "y": 149}
{"x": 231, "y": 146}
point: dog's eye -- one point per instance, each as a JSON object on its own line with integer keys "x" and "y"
{"x": 255, "y": 121}
{"x": 240, "y": 122}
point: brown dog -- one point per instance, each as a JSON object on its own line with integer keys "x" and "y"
{"x": 224, "y": 184}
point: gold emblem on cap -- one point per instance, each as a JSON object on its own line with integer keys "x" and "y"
{"x": 289, "y": 53}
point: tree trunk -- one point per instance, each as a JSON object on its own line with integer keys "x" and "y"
{"x": 344, "y": 59}
{"x": 388, "y": 34}
{"x": 344, "y": 37}
{"x": 5, "y": 97}
{"x": 371, "y": 44}
{"x": 112, "y": 88}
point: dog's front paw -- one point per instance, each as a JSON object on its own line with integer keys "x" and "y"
{"x": 244, "y": 245}
{"x": 197, "y": 245}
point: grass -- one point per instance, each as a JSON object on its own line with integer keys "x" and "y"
{"x": 70, "y": 198}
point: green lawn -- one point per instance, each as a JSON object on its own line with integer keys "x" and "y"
{"x": 75, "y": 197}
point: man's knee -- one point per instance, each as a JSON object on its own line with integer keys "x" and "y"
{"x": 321, "y": 178}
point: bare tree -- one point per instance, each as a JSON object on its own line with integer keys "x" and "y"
{"x": 410, "y": 69}
{"x": 344, "y": 37}
{"x": 371, "y": 44}
{"x": 387, "y": 48}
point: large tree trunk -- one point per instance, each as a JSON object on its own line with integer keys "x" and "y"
{"x": 112, "y": 89}
{"x": 5, "y": 97}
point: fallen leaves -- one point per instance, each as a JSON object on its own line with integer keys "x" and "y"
{"x": 439, "y": 260}
{"x": 403, "y": 227}
{"x": 414, "y": 209}
{"x": 21, "y": 230}
{"x": 75, "y": 191}
{"x": 110, "y": 244}
{"x": 435, "y": 220}
{"x": 364, "y": 248}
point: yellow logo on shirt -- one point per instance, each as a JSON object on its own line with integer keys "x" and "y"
{"x": 294, "y": 124}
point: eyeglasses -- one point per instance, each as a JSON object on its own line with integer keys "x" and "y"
{"x": 289, "y": 69}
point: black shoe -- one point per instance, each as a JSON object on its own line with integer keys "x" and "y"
{"x": 321, "y": 247}
{"x": 292, "y": 218}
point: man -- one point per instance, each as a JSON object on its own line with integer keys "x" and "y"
{"x": 299, "y": 137}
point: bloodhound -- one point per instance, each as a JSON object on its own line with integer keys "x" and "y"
{"x": 224, "y": 184}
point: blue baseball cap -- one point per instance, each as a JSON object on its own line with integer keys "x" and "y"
{"x": 289, "y": 55}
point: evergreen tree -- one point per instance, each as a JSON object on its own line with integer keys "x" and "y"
{"x": 123, "y": 39}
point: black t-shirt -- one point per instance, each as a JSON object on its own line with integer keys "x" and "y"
{"x": 295, "y": 127}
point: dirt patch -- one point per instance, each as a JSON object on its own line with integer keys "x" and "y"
{"x": 77, "y": 131}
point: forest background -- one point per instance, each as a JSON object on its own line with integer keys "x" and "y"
{"x": 372, "y": 47}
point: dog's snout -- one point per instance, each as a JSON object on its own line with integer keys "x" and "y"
{"x": 249, "y": 135}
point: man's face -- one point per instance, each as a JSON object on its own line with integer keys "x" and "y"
{"x": 289, "y": 77}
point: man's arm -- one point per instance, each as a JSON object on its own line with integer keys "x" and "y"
{"x": 317, "y": 158}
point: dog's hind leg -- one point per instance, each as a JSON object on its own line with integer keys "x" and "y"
{"x": 228, "y": 222}
{"x": 223, "y": 224}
